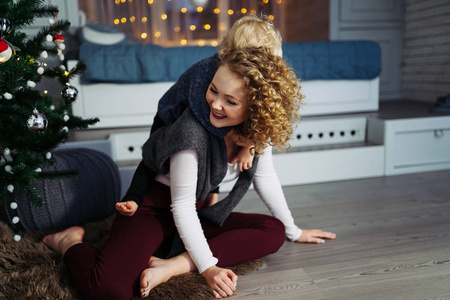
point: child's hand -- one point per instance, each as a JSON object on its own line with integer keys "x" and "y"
{"x": 127, "y": 208}
{"x": 245, "y": 165}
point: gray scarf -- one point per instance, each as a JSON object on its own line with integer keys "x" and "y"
{"x": 188, "y": 133}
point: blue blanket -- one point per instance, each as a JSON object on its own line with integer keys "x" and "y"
{"x": 122, "y": 63}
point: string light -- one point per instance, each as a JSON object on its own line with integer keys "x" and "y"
{"x": 222, "y": 27}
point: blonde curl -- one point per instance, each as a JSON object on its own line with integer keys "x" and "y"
{"x": 273, "y": 95}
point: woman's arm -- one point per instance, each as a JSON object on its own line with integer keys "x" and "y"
{"x": 268, "y": 187}
{"x": 183, "y": 185}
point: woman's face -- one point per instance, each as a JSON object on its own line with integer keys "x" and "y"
{"x": 227, "y": 99}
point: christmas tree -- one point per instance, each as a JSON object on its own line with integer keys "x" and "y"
{"x": 32, "y": 123}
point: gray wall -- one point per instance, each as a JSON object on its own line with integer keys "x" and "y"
{"x": 426, "y": 50}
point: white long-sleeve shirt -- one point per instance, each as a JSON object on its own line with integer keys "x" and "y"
{"x": 182, "y": 180}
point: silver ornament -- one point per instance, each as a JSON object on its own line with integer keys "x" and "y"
{"x": 69, "y": 93}
{"x": 5, "y": 27}
{"x": 37, "y": 121}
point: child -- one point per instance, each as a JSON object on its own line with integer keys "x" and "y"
{"x": 250, "y": 30}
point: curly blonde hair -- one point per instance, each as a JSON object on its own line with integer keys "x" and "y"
{"x": 252, "y": 31}
{"x": 273, "y": 95}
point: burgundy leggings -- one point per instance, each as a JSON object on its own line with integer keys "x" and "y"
{"x": 113, "y": 272}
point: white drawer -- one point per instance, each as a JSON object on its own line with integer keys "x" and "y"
{"x": 419, "y": 148}
{"x": 414, "y": 144}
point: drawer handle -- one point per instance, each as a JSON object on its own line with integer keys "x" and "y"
{"x": 439, "y": 133}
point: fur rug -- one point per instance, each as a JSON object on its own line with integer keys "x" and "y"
{"x": 30, "y": 270}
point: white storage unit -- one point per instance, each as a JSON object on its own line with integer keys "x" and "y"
{"x": 414, "y": 139}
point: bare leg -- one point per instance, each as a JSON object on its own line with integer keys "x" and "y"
{"x": 161, "y": 270}
{"x": 61, "y": 241}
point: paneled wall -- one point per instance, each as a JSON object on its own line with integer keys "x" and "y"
{"x": 380, "y": 21}
{"x": 426, "y": 50}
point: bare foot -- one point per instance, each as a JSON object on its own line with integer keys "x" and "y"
{"x": 160, "y": 270}
{"x": 156, "y": 274}
{"x": 61, "y": 241}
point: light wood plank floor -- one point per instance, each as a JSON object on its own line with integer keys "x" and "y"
{"x": 393, "y": 241}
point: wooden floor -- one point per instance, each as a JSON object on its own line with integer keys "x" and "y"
{"x": 393, "y": 241}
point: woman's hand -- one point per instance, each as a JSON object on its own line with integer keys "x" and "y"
{"x": 221, "y": 281}
{"x": 315, "y": 236}
{"x": 126, "y": 208}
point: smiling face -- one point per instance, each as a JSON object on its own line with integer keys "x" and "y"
{"x": 226, "y": 97}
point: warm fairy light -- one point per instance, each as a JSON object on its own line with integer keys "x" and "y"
{"x": 230, "y": 12}
{"x": 144, "y": 19}
{"x": 243, "y": 10}
{"x": 207, "y": 27}
{"x": 164, "y": 16}
{"x": 116, "y": 21}
{"x": 157, "y": 34}
{"x": 266, "y": 1}
{"x": 117, "y": 1}
{"x": 201, "y": 43}
{"x": 253, "y": 12}
{"x": 216, "y": 10}
{"x": 279, "y": 1}
{"x": 271, "y": 17}
{"x": 177, "y": 29}
{"x": 183, "y": 10}
{"x": 143, "y": 35}
{"x": 123, "y": 1}
{"x": 45, "y": 92}
{"x": 214, "y": 43}
{"x": 132, "y": 19}
{"x": 183, "y": 42}
{"x": 192, "y": 27}
{"x": 66, "y": 73}
{"x": 150, "y": 1}
{"x": 123, "y": 20}
{"x": 199, "y": 9}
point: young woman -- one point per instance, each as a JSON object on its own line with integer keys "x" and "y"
{"x": 252, "y": 94}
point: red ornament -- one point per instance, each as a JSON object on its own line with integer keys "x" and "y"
{"x": 5, "y": 51}
{"x": 58, "y": 38}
